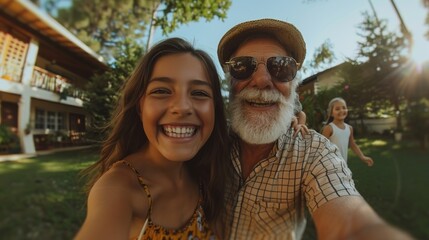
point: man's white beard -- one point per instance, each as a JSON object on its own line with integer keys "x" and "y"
{"x": 261, "y": 127}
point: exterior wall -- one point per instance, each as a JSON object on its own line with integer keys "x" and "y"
{"x": 37, "y": 58}
{"x": 27, "y": 144}
{"x": 378, "y": 125}
{"x": 327, "y": 80}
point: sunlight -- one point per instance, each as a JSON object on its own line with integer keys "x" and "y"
{"x": 420, "y": 53}
{"x": 379, "y": 143}
{"x": 418, "y": 60}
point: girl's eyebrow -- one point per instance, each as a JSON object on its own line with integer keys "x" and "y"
{"x": 169, "y": 80}
{"x": 160, "y": 79}
{"x": 200, "y": 82}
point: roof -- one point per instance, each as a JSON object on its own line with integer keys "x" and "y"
{"x": 29, "y": 14}
{"x": 314, "y": 76}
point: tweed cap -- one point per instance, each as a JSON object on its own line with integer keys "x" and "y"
{"x": 287, "y": 35}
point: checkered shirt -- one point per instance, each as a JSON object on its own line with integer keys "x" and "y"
{"x": 270, "y": 203}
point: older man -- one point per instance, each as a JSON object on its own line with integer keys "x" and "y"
{"x": 276, "y": 174}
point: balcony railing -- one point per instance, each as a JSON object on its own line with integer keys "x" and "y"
{"x": 54, "y": 83}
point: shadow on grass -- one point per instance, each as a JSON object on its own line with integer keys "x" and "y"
{"x": 42, "y": 197}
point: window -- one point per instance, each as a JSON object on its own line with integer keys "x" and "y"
{"x": 13, "y": 51}
{"x": 51, "y": 120}
{"x": 61, "y": 121}
{"x": 40, "y": 119}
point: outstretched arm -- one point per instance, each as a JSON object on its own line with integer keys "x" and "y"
{"x": 109, "y": 210}
{"x": 351, "y": 217}
{"x": 357, "y": 151}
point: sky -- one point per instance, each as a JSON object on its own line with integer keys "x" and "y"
{"x": 318, "y": 21}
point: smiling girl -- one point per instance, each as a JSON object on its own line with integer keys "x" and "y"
{"x": 162, "y": 169}
{"x": 340, "y": 133}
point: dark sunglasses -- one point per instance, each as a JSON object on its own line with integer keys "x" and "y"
{"x": 281, "y": 68}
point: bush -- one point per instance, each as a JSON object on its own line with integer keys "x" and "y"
{"x": 9, "y": 141}
{"x": 417, "y": 116}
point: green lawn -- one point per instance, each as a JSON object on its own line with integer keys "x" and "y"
{"x": 42, "y": 198}
{"x": 396, "y": 186}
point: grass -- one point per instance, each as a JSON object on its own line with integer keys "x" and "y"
{"x": 42, "y": 198}
{"x": 396, "y": 186}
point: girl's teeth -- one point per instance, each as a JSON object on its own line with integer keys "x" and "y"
{"x": 179, "y": 132}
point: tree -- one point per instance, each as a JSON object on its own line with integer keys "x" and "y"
{"x": 417, "y": 115}
{"x": 382, "y": 58}
{"x": 176, "y": 12}
{"x": 103, "y": 25}
{"x": 322, "y": 57}
{"x": 102, "y": 91}
{"x": 426, "y": 5}
{"x": 315, "y": 106}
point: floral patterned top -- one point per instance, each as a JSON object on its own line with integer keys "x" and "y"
{"x": 196, "y": 228}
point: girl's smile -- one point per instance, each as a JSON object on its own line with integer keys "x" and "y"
{"x": 179, "y": 131}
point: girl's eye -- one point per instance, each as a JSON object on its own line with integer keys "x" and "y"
{"x": 200, "y": 93}
{"x": 159, "y": 91}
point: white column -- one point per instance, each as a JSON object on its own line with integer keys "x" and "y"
{"x": 24, "y": 112}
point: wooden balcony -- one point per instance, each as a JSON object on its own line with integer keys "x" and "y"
{"x": 55, "y": 83}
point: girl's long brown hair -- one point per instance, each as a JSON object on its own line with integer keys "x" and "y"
{"x": 210, "y": 167}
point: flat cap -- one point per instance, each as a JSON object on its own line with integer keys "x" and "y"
{"x": 287, "y": 35}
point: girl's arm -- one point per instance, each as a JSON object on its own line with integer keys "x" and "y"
{"x": 298, "y": 123}
{"x": 109, "y": 209}
{"x": 357, "y": 150}
{"x": 327, "y": 131}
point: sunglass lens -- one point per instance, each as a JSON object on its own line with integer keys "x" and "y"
{"x": 282, "y": 68}
{"x": 242, "y": 67}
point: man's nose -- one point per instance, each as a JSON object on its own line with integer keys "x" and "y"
{"x": 261, "y": 78}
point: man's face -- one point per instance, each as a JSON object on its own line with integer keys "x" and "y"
{"x": 261, "y": 107}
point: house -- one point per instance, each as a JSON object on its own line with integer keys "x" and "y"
{"x": 43, "y": 69}
{"x": 322, "y": 80}
{"x": 330, "y": 77}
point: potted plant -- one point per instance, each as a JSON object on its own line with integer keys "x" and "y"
{"x": 27, "y": 129}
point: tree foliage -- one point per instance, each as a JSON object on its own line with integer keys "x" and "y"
{"x": 426, "y": 5}
{"x": 105, "y": 24}
{"x": 102, "y": 92}
{"x": 382, "y": 58}
{"x": 177, "y": 12}
{"x": 417, "y": 115}
{"x": 323, "y": 55}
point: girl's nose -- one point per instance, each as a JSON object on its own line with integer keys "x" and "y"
{"x": 181, "y": 105}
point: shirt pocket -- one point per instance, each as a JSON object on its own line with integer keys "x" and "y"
{"x": 272, "y": 216}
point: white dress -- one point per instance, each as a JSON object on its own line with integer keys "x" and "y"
{"x": 340, "y": 137}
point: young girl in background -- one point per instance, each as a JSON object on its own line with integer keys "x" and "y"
{"x": 340, "y": 133}
{"x": 162, "y": 169}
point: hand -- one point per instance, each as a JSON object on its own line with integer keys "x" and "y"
{"x": 300, "y": 128}
{"x": 368, "y": 161}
